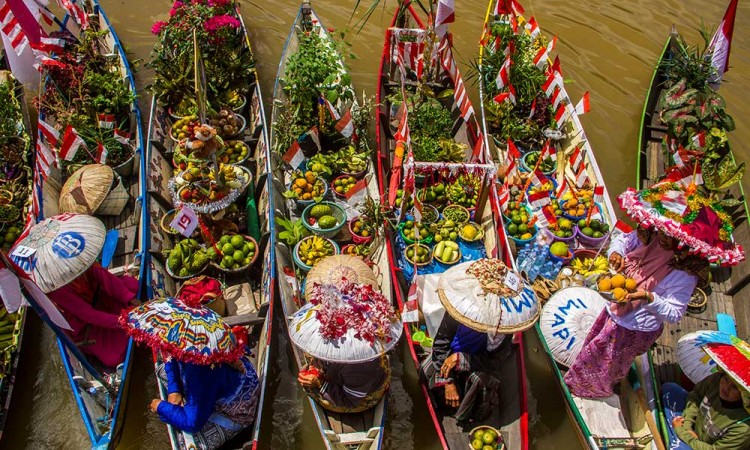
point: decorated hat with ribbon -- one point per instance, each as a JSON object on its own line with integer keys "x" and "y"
{"x": 199, "y": 291}
{"x": 699, "y": 223}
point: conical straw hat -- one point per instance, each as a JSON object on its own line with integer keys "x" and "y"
{"x": 63, "y": 247}
{"x": 86, "y": 189}
{"x": 332, "y": 269}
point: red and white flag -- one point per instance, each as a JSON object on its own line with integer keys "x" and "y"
{"x": 721, "y": 43}
{"x": 699, "y": 139}
{"x": 685, "y": 175}
{"x": 510, "y": 49}
{"x": 294, "y": 156}
{"x": 331, "y": 109}
{"x": 445, "y": 14}
{"x": 71, "y": 143}
{"x": 563, "y": 189}
{"x": 532, "y": 27}
{"x": 554, "y": 80}
{"x": 410, "y": 313}
{"x": 575, "y": 160}
{"x": 583, "y": 106}
{"x": 512, "y": 94}
{"x": 598, "y": 194}
{"x": 44, "y": 158}
{"x": 45, "y": 61}
{"x": 539, "y": 199}
{"x": 503, "y": 196}
{"x": 561, "y": 115}
{"x": 675, "y": 201}
{"x": 76, "y": 12}
{"x": 101, "y": 153}
{"x": 122, "y": 136}
{"x": 402, "y": 131}
{"x": 49, "y": 133}
{"x": 513, "y": 152}
{"x": 542, "y": 56}
{"x": 533, "y": 108}
{"x": 501, "y": 97}
{"x": 345, "y": 126}
{"x": 504, "y": 7}
{"x": 512, "y": 170}
{"x": 106, "y": 121}
{"x": 503, "y": 76}
{"x": 623, "y": 227}
{"x": 681, "y": 157}
{"x": 545, "y": 217}
{"x": 49, "y": 45}
{"x": 582, "y": 177}
{"x": 538, "y": 178}
{"x": 556, "y": 98}
{"x": 555, "y": 67}
{"x": 315, "y": 136}
{"x": 358, "y": 193}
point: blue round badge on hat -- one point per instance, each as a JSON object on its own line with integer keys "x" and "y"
{"x": 68, "y": 244}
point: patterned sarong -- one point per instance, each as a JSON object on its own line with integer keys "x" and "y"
{"x": 606, "y": 356}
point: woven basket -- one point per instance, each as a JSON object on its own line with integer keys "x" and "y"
{"x": 481, "y": 327}
{"x": 94, "y": 189}
{"x": 333, "y": 269}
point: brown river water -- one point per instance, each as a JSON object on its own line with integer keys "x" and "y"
{"x": 606, "y": 47}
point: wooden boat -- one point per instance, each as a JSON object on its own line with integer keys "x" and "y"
{"x": 362, "y": 430}
{"x": 12, "y": 350}
{"x": 249, "y": 291}
{"x": 593, "y": 423}
{"x": 100, "y": 393}
{"x": 724, "y": 303}
{"x": 511, "y": 419}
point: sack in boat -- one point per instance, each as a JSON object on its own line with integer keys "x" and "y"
{"x": 94, "y": 189}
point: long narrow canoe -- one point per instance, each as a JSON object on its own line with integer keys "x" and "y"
{"x": 593, "y": 421}
{"x": 102, "y": 405}
{"x": 723, "y": 298}
{"x": 512, "y": 416}
{"x": 249, "y": 294}
{"x": 12, "y": 350}
{"x": 341, "y": 431}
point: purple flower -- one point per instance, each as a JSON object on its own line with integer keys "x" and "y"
{"x": 158, "y": 26}
{"x": 215, "y": 23}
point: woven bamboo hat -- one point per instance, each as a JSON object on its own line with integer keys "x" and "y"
{"x": 474, "y": 294}
{"x": 90, "y": 191}
{"x": 333, "y": 269}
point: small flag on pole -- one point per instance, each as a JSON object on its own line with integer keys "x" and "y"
{"x": 410, "y": 312}
{"x": 71, "y": 143}
{"x": 106, "y": 121}
{"x": 533, "y": 28}
{"x": 122, "y": 136}
{"x": 294, "y": 156}
{"x": 101, "y": 153}
{"x": 721, "y": 43}
{"x": 50, "y": 134}
{"x": 503, "y": 76}
{"x": 345, "y": 126}
{"x": 357, "y": 193}
{"x": 599, "y": 194}
{"x": 583, "y": 106}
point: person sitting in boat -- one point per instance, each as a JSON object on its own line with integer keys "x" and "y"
{"x": 463, "y": 367}
{"x": 346, "y": 387}
{"x": 212, "y": 395}
{"x": 716, "y": 414}
{"x": 666, "y": 271}
{"x": 91, "y": 304}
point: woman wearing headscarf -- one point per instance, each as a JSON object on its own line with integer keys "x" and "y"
{"x": 211, "y": 398}
{"x": 667, "y": 257}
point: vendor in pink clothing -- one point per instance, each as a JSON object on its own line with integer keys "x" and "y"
{"x": 91, "y": 304}
{"x": 667, "y": 256}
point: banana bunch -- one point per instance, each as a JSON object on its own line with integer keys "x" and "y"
{"x": 314, "y": 249}
{"x": 8, "y": 338}
{"x": 589, "y": 266}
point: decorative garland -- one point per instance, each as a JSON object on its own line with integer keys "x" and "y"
{"x": 631, "y": 202}
{"x": 695, "y": 203}
{"x": 352, "y": 306}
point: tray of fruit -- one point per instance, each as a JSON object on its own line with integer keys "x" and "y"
{"x": 312, "y": 249}
{"x": 529, "y": 162}
{"x": 592, "y": 233}
{"x": 520, "y": 233}
{"x": 433, "y": 194}
{"x": 227, "y": 123}
{"x": 306, "y": 187}
{"x": 238, "y": 252}
{"x": 587, "y": 265}
{"x": 445, "y": 229}
{"x": 464, "y": 190}
{"x": 361, "y": 232}
{"x": 234, "y": 152}
{"x": 429, "y": 214}
{"x": 361, "y": 250}
{"x": 187, "y": 259}
{"x": 342, "y": 184}
{"x": 457, "y": 214}
{"x": 471, "y": 232}
{"x": 419, "y": 254}
{"x": 447, "y": 252}
{"x": 615, "y": 287}
{"x": 324, "y": 219}
{"x": 410, "y": 235}
{"x": 207, "y": 191}
{"x": 183, "y": 128}
{"x": 485, "y": 437}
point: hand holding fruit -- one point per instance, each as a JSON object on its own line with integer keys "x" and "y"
{"x": 640, "y": 294}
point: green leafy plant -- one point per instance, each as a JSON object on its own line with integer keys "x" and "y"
{"x": 690, "y": 64}
{"x": 293, "y": 230}
{"x": 721, "y": 175}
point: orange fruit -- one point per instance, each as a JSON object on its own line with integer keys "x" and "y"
{"x": 618, "y": 281}
{"x": 300, "y": 182}
{"x": 630, "y": 284}
{"x": 605, "y": 284}
{"x": 619, "y": 294}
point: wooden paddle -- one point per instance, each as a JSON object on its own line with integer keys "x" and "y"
{"x": 633, "y": 379}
